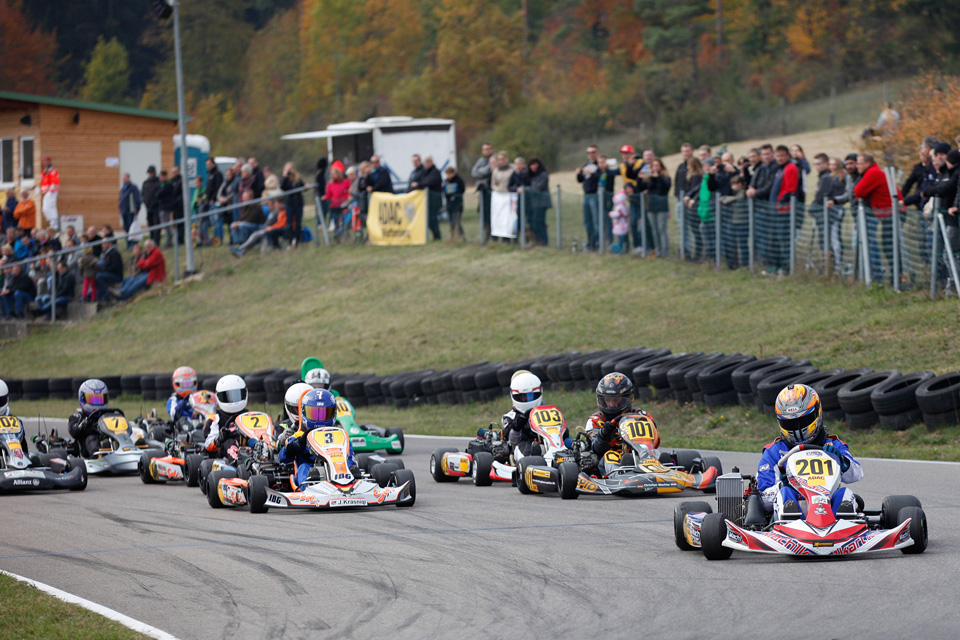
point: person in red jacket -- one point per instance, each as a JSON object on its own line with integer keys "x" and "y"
{"x": 874, "y": 190}
{"x": 153, "y": 269}
{"x": 785, "y": 183}
{"x": 337, "y": 194}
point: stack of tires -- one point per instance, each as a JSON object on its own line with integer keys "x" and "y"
{"x": 938, "y": 399}
{"x": 715, "y": 380}
{"x": 740, "y": 377}
{"x": 854, "y": 398}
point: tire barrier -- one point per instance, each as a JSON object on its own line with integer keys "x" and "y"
{"x": 861, "y": 397}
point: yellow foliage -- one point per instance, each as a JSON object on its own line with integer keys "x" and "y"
{"x": 929, "y": 109}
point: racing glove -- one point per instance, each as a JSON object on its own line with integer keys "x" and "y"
{"x": 834, "y": 451}
{"x": 607, "y": 430}
{"x": 293, "y": 446}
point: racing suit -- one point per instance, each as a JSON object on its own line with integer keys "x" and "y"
{"x": 773, "y": 494}
{"x": 82, "y": 427}
{"x": 295, "y": 450}
{"x": 179, "y": 407}
{"x": 605, "y": 444}
{"x": 222, "y": 435}
{"x": 516, "y": 431}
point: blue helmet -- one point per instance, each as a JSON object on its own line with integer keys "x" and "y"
{"x": 318, "y": 408}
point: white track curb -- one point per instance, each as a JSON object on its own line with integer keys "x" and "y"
{"x": 136, "y": 625}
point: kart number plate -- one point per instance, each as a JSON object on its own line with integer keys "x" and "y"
{"x": 116, "y": 424}
{"x": 9, "y": 424}
{"x": 348, "y": 502}
{"x": 344, "y": 408}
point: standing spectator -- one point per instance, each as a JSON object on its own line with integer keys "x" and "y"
{"x": 520, "y": 177}
{"x": 176, "y": 185}
{"x": 18, "y": 291}
{"x": 785, "y": 183}
{"x": 726, "y": 169}
{"x": 539, "y": 192}
{"x": 66, "y": 286}
{"x": 923, "y": 173}
{"x": 150, "y": 191}
{"x": 750, "y": 168}
{"x": 759, "y": 190}
{"x": 681, "y": 185}
{"x": 874, "y": 191}
{"x": 953, "y": 206}
{"x": 151, "y": 269}
{"x": 605, "y": 186}
{"x": 320, "y": 179}
{"x": 337, "y": 194}
{"x": 214, "y": 182}
{"x": 826, "y": 188}
{"x": 799, "y": 158}
{"x": 946, "y": 188}
{"x": 109, "y": 269}
{"x": 50, "y": 190}
{"x": 413, "y": 182}
{"x": 453, "y": 190}
{"x": 691, "y": 201}
{"x": 431, "y": 180}
{"x": 166, "y": 199}
{"x": 130, "y": 202}
{"x": 658, "y": 209}
{"x": 9, "y": 206}
{"x": 251, "y": 219}
{"x": 589, "y": 176}
{"x": 380, "y": 180}
{"x": 629, "y": 171}
{"x": 26, "y": 212}
{"x": 226, "y": 196}
{"x": 739, "y": 223}
{"x": 259, "y": 179}
{"x": 703, "y": 152}
{"x": 481, "y": 173}
{"x": 501, "y": 173}
{"x": 294, "y": 203}
{"x": 620, "y": 215}
{"x": 706, "y": 206}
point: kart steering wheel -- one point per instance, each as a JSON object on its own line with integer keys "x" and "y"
{"x": 782, "y": 464}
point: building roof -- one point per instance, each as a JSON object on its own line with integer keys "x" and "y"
{"x": 355, "y": 128}
{"x": 92, "y": 106}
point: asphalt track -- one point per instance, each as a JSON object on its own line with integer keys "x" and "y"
{"x": 469, "y": 562}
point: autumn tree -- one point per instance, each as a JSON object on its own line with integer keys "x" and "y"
{"x": 31, "y": 49}
{"x": 106, "y": 77}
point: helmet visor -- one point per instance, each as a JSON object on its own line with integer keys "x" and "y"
{"x": 95, "y": 399}
{"x": 799, "y": 430}
{"x": 528, "y": 396}
{"x": 3, "y": 401}
{"x": 319, "y": 414}
{"x": 609, "y": 402}
{"x": 231, "y": 395}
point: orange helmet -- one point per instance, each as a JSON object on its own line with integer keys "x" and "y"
{"x": 184, "y": 381}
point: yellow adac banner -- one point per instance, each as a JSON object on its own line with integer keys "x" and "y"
{"x": 394, "y": 219}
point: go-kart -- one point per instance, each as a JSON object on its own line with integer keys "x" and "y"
{"x": 183, "y": 451}
{"x": 741, "y": 523}
{"x": 255, "y": 434}
{"x": 330, "y": 484}
{"x": 368, "y": 437}
{"x": 634, "y": 469}
{"x": 203, "y": 405}
{"x": 556, "y": 469}
{"x": 120, "y": 444}
{"x": 40, "y": 470}
{"x": 486, "y": 459}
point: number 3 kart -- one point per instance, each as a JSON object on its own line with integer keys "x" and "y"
{"x": 41, "y": 470}
{"x": 741, "y": 523}
{"x": 120, "y": 444}
{"x": 330, "y": 483}
{"x": 368, "y": 437}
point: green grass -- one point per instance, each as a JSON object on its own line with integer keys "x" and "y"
{"x": 26, "y": 613}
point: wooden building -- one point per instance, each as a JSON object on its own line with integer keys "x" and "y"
{"x": 92, "y": 146}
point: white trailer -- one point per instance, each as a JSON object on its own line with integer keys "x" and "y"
{"x": 395, "y": 139}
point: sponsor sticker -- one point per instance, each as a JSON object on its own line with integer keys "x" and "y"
{"x": 24, "y": 482}
{"x": 358, "y": 442}
{"x": 823, "y": 544}
{"x": 541, "y": 473}
{"x": 347, "y": 502}
{"x": 24, "y": 474}
{"x": 764, "y": 467}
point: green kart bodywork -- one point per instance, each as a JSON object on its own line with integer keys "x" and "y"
{"x": 367, "y": 437}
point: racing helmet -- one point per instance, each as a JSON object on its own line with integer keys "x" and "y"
{"x": 799, "y": 415}
{"x": 291, "y": 401}
{"x": 614, "y": 394}
{"x": 318, "y": 378}
{"x": 231, "y": 394}
{"x": 93, "y": 395}
{"x": 318, "y": 408}
{"x": 526, "y": 391}
{"x": 184, "y": 381}
{"x": 4, "y": 399}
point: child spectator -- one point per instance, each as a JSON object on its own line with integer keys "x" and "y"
{"x": 88, "y": 271}
{"x": 620, "y": 215}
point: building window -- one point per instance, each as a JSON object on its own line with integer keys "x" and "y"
{"x": 6, "y": 160}
{"x": 26, "y": 158}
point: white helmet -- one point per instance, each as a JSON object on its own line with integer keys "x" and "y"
{"x": 526, "y": 391}
{"x": 318, "y": 378}
{"x": 291, "y": 401}
{"x": 4, "y": 399}
{"x": 231, "y": 394}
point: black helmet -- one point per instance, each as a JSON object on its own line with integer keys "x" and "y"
{"x": 614, "y": 394}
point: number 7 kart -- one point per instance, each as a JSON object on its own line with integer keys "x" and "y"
{"x": 741, "y": 523}
{"x": 120, "y": 444}
{"x": 40, "y": 470}
{"x": 633, "y": 470}
{"x": 330, "y": 483}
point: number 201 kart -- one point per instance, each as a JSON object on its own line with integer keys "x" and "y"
{"x": 40, "y": 470}
{"x": 741, "y": 523}
{"x": 330, "y": 484}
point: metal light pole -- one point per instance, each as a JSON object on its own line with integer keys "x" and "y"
{"x": 182, "y": 114}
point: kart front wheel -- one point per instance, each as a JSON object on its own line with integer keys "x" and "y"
{"x": 522, "y": 465}
{"x": 918, "y": 528}
{"x": 213, "y": 480}
{"x": 257, "y": 494}
{"x": 679, "y": 514}
{"x": 436, "y": 465}
{"x": 687, "y": 459}
{"x": 482, "y": 464}
{"x": 712, "y": 461}
{"x": 74, "y": 462}
{"x": 382, "y": 472}
{"x": 143, "y": 466}
{"x": 191, "y": 471}
{"x": 890, "y": 509}
{"x": 400, "y": 477}
{"x": 206, "y": 468}
{"x": 394, "y": 431}
{"x": 568, "y": 477}
{"x": 713, "y": 531}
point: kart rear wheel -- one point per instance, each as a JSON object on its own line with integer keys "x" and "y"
{"x": 568, "y": 477}
{"x": 158, "y": 433}
{"x": 143, "y": 466}
{"x": 206, "y": 467}
{"x": 435, "y": 465}
{"x": 679, "y": 513}
{"x": 712, "y": 461}
{"x": 213, "y": 495}
{"x": 482, "y": 464}
{"x": 687, "y": 459}
{"x": 918, "y": 528}
{"x": 191, "y": 471}
{"x": 382, "y": 472}
{"x": 890, "y": 509}
{"x": 401, "y": 476}
{"x": 397, "y": 431}
{"x": 522, "y": 465}
{"x": 257, "y": 494}
{"x": 74, "y": 462}
{"x": 713, "y": 531}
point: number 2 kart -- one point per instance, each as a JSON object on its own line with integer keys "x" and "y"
{"x": 41, "y": 470}
{"x": 252, "y": 426}
{"x": 635, "y": 469}
{"x": 120, "y": 444}
{"x": 368, "y": 437}
{"x": 330, "y": 483}
{"x": 742, "y": 524}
